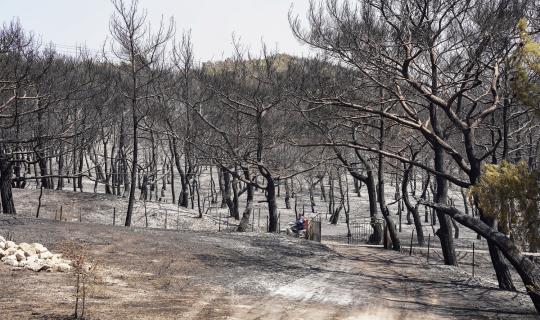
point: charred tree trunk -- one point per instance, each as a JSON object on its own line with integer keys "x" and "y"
{"x": 227, "y": 192}
{"x": 272, "y": 205}
{"x": 410, "y": 208}
{"x": 287, "y": 194}
{"x": 248, "y": 211}
{"x": 527, "y": 269}
{"x": 396, "y": 244}
{"x": 236, "y": 210}
{"x": 6, "y": 194}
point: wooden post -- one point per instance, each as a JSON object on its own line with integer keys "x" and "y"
{"x": 279, "y": 222}
{"x": 385, "y": 236}
{"x": 80, "y": 215}
{"x": 61, "y": 210}
{"x": 320, "y": 229}
{"x": 473, "y": 259}
{"x": 428, "y": 244}
{"x": 410, "y": 248}
{"x": 114, "y": 216}
{"x": 166, "y": 217}
{"x": 400, "y": 214}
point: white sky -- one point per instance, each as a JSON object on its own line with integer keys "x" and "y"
{"x": 68, "y": 23}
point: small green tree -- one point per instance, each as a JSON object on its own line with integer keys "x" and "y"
{"x": 510, "y": 192}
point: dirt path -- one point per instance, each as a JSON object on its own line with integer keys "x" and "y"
{"x": 153, "y": 274}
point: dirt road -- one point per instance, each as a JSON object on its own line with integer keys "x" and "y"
{"x": 154, "y": 274}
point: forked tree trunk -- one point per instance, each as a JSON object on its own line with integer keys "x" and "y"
{"x": 445, "y": 224}
{"x": 410, "y": 208}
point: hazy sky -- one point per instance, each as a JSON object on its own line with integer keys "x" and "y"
{"x": 68, "y": 23}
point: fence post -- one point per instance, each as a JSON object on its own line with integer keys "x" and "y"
{"x": 400, "y": 214}
{"x": 428, "y": 244}
{"x": 279, "y": 222}
{"x": 114, "y": 216}
{"x": 166, "y": 217}
{"x": 320, "y": 229}
{"x": 61, "y": 210}
{"x": 473, "y": 259}
{"x": 410, "y": 248}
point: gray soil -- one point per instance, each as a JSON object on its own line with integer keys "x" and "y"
{"x": 169, "y": 274}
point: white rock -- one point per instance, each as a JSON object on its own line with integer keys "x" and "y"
{"x": 11, "y": 244}
{"x": 28, "y": 249}
{"x": 2, "y": 245}
{"x": 19, "y": 254}
{"x": 63, "y": 267}
{"x": 10, "y": 251}
{"x": 11, "y": 261}
{"x": 2, "y": 239}
{"x": 46, "y": 255}
{"x": 39, "y": 247}
{"x": 2, "y": 253}
{"x": 35, "y": 264}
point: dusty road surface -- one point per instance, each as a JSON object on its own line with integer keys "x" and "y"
{"x": 155, "y": 274}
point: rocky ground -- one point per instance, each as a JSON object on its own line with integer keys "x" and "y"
{"x": 33, "y": 257}
{"x": 168, "y": 274}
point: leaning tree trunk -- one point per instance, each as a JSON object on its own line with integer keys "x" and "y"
{"x": 527, "y": 269}
{"x": 502, "y": 271}
{"x": 500, "y": 266}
